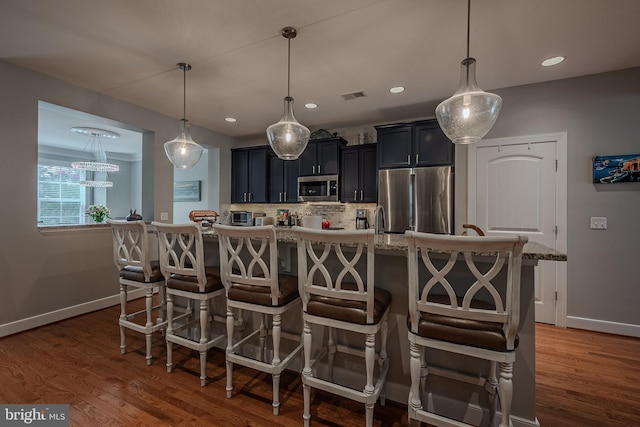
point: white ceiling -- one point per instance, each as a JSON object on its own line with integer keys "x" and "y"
{"x": 129, "y": 49}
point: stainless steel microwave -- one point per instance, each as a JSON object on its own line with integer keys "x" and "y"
{"x": 241, "y": 218}
{"x": 318, "y": 188}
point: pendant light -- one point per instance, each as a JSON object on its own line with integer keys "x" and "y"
{"x": 182, "y": 151}
{"x": 288, "y": 138}
{"x": 470, "y": 113}
{"x": 98, "y": 168}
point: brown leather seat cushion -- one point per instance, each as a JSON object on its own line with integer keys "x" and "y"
{"x": 347, "y": 310}
{"x": 475, "y": 333}
{"x": 190, "y": 283}
{"x": 135, "y": 274}
{"x": 261, "y": 295}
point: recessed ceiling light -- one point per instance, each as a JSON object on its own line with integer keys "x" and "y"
{"x": 397, "y": 89}
{"x": 554, "y": 60}
{"x": 311, "y": 105}
{"x": 231, "y": 119}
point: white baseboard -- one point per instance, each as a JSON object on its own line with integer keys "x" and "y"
{"x": 627, "y": 329}
{"x": 65, "y": 313}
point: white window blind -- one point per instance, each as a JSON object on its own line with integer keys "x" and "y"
{"x": 61, "y": 199}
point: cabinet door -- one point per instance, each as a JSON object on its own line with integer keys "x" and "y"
{"x": 368, "y": 174}
{"x": 276, "y": 179}
{"x": 240, "y": 174}
{"x": 327, "y": 157}
{"x": 395, "y": 146}
{"x": 431, "y": 145}
{"x": 308, "y": 160}
{"x": 349, "y": 175}
{"x": 257, "y": 175}
{"x": 290, "y": 181}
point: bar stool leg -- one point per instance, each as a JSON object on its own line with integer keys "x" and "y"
{"x": 369, "y": 360}
{"x": 384, "y": 331}
{"x": 491, "y": 387}
{"x": 149, "y": 309}
{"x": 123, "y": 316}
{"x": 505, "y": 392}
{"x": 169, "y": 332}
{"x": 230, "y": 322}
{"x": 415, "y": 404}
{"x": 331, "y": 345}
{"x": 306, "y": 372}
{"x": 162, "y": 301}
{"x": 262, "y": 355}
{"x": 369, "y": 414}
{"x": 204, "y": 337}
{"x": 276, "y": 332}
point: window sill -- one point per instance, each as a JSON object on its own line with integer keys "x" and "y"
{"x": 75, "y": 227}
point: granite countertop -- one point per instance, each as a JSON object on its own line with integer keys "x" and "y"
{"x": 397, "y": 242}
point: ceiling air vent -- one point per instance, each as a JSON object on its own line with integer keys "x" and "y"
{"x": 353, "y": 95}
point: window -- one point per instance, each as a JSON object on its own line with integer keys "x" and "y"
{"x": 61, "y": 199}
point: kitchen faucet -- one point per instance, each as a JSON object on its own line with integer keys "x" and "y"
{"x": 376, "y": 218}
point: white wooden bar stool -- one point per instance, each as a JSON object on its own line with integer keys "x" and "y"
{"x": 182, "y": 263}
{"x": 131, "y": 256}
{"x": 249, "y": 267}
{"x": 457, "y": 312}
{"x": 336, "y": 284}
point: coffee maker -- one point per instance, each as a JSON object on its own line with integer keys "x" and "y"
{"x": 362, "y": 223}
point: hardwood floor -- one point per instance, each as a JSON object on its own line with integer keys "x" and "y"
{"x": 584, "y": 379}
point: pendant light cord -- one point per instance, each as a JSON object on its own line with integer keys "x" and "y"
{"x": 468, "y": 24}
{"x": 289, "y": 69}
{"x": 184, "y": 93}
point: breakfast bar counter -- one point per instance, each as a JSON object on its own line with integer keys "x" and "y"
{"x": 391, "y": 274}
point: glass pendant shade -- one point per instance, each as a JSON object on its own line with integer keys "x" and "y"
{"x": 288, "y": 138}
{"x": 470, "y": 113}
{"x": 182, "y": 151}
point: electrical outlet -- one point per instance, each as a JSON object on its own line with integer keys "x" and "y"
{"x": 598, "y": 222}
{"x": 164, "y": 216}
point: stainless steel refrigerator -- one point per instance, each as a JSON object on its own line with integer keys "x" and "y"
{"x": 419, "y": 199}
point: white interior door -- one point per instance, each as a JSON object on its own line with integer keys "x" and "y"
{"x": 512, "y": 189}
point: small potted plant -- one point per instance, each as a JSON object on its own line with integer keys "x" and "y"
{"x": 98, "y": 213}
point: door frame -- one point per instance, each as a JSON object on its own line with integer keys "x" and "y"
{"x": 560, "y": 139}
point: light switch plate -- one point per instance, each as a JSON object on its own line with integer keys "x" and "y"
{"x": 598, "y": 222}
{"x": 164, "y": 216}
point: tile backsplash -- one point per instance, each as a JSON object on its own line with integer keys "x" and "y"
{"x": 338, "y": 214}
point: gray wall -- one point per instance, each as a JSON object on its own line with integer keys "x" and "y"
{"x": 50, "y": 275}
{"x": 601, "y": 116}
{"x": 44, "y": 272}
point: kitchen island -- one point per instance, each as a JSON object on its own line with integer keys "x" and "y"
{"x": 391, "y": 274}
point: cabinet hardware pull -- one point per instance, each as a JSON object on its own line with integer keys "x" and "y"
{"x": 313, "y": 169}
{"x": 361, "y": 195}
{"x": 285, "y": 196}
{"x": 244, "y": 197}
{"x": 409, "y": 159}
{"x": 318, "y": 169}
{"x": 417, "y": 157}
{"x": 355, "y": 194}
{"x": 280, "y": 195}
{"x": 249, "y": 196}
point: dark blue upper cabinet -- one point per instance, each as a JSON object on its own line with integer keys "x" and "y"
{"x": 322, "y": 157}
{"x": 416, "y": 144}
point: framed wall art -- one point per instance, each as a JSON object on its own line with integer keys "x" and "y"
{"x": 186, "y": 191}
{"x": 613, "y": 169}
